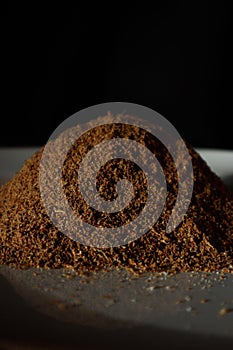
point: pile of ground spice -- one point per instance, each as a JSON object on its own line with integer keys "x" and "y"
{"x": 202, "y": 242}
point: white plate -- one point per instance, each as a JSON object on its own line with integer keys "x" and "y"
{"x": 220, "y": 161}
{"x": 12, "y": 159}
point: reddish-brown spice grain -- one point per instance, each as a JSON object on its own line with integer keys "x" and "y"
{"x": 224, "y": 311}
{"x": 202, "y": 242}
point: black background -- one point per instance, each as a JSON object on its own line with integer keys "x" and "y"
{"x": 175, "y": 58}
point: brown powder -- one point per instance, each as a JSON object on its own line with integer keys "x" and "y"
{"x": 203, "y": 241}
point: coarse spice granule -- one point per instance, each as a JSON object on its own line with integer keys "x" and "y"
{"x": 202, "y": 242}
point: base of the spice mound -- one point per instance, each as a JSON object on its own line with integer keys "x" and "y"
{"x": 195, "y": 302}
{"x": 202, "y": 242}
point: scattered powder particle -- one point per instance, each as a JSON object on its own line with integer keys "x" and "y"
{"x": 170, "y": 288}
{"x": 189, "y": 308}
{"x": 62, "y": 306}
{"x": 224, "y": 311}
{"x": 202, "y": 242}
{"x": 204, "y": 301}
{"x": 109, "y": 301}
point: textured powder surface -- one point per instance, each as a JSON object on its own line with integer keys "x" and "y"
{"x": 202, "y": 242}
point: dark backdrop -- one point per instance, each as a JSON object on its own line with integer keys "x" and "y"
{"x": 176, "y": 59}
